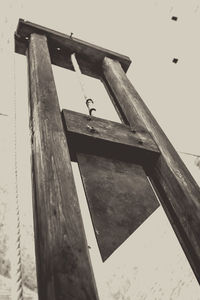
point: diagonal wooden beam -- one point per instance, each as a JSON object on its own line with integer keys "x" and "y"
{"x": 178, "y": 191}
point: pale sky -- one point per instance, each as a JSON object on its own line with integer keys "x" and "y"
{"x": 150, "y": 264}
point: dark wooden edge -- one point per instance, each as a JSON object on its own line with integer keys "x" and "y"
{"x": 63, "y": 264}
{"x": 89, "y": 56}
{"x": 178, "y": 192}
{"x": 174, "y": 219}
{"x": 108, "y": 138}
{"x": 116, "y": 105}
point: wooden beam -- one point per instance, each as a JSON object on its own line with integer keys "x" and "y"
{"x": 110, "y": 158}
{"x": 63, "y": 266}
{"x": 84, "y": 129}
{"x": 178, "y": 191}
{"x": 61, "y": 46}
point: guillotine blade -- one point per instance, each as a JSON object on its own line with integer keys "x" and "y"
{"x": 119, "y": 196}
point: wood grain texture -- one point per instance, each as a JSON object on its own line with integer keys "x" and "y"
{"x": 179, "y": 193}
{"x": 63, "y": 266}
{"x": 89, "y": 56}
{"x": 120, "y": 198}
{"x": 81, "y": 125}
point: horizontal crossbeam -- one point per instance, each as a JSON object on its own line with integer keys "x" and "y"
{"x": 61, "y": 46}
{"x": 99, "y": 135}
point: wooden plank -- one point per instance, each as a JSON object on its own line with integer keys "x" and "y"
{"x": 78, "y": 124}
{"x": 179, "y": 193}
{"x": 63, "y": 266}
{"x": 89, "y": 56}
{"x": 119, "y": 196}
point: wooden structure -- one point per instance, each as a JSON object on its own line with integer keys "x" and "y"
{"x": 114, "y": 161}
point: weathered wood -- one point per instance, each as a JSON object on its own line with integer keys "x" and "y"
{"x": 63, "y": 266}
{"x": 111, "y": 95}
{"x": 179, "y": 193}
{"x": 61, "y": 46}
{"x": 120, "y": 198}
{"x": 80, "y": 125}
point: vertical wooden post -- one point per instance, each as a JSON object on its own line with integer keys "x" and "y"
{"x": 63, "y": 266}
{"x": 179, "y": 193}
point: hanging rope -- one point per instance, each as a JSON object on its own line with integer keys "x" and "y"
{"x": 88, "y": 101}
{"x": 191, "y": 154}
{"x": 16, "y": 265}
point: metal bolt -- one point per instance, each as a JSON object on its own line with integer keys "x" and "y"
{"x": 133, "y": 130}
{"x": 91, "y": 128}
{"x": 89, "y": 118}
{"x": 58, "y": 49}
{"x": 140, "y": 142}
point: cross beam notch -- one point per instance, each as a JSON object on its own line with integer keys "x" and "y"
{"x": 61, "y": 46}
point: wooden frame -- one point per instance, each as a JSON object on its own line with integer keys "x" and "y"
{"x": 61, "y": 46}
{"x": 63, "y": 265}
{"x": 107, "y": 136}
{"x": 111, "y": 162}
{"x": 177, "y": 190}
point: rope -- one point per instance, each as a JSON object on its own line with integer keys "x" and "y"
{"x": 88, "y": 101}
{"x": 16, "y": 264}
{"x": 191, "y": 154}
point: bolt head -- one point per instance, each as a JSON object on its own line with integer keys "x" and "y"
{"x": 133, "y": 130}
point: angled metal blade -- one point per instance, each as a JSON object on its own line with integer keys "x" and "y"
{"x": 119, "y": 196}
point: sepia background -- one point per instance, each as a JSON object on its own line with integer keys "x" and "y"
{"x": 150, "y": 264}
